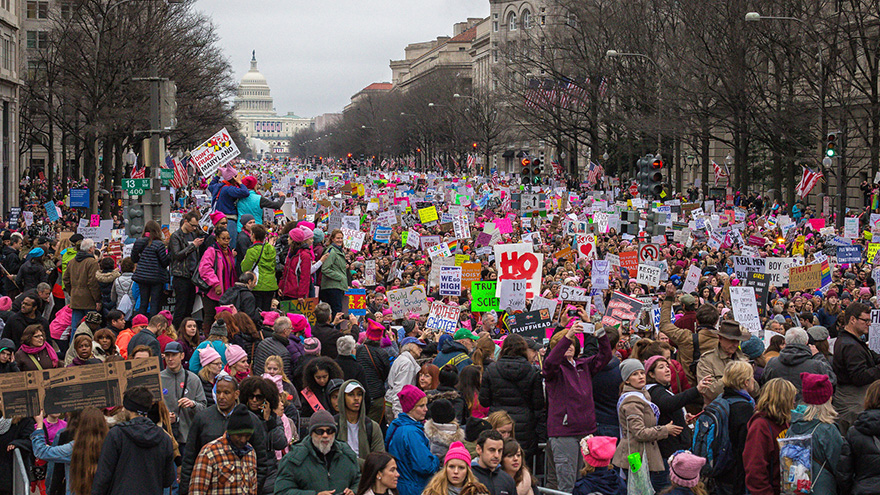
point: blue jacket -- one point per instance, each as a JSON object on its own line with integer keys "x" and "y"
{"x": 254, "y": 204}
{"x": 602, "y": 480}
{"x": 454, "y": 352}
{"x": 224, "y": 195}
{"x": 407, "y": 442}
{"x": 152, "y": 261}
{"x": 195, "y": 365}
{"x": 60, "y": 454}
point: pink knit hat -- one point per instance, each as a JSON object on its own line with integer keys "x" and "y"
{"x": 5, "y": 303}
{"x": 684, "y": 468}
{"x": 208, "y": 355}
{"x": 300, "y": 324}
{"x": 269, "y": 317}
{"x": 307, "y": 232}
{"x": 249, "y": 182}
{"x": 216, "y": 217}
{"x": 139, "y": 320}
{"x": 653, "y": 359}
{"x": 312, "y": 346}
{"x": 409, "y": 396}
{"x": 228, "y": 172}
{"x": 234, "y": 354}
{"x": 375, "y": 330}
{"x": 816, "y": 389}
{"x": 598, "y": 451}
{"x": 297, "y": 235}
{"x": 167, "y": 315}
{"x": 458, "y": 451}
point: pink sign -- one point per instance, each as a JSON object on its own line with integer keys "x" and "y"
{"x": 95, "y": 221}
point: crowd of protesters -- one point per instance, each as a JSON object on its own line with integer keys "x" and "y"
{"x": 260, "y": 398}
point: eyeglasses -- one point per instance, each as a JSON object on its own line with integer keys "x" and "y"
{"x": 866, "y": 320}
{"x": 324, "y": 431}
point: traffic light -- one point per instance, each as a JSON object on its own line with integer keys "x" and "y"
{"x": 475, "y": 146}
{"x": 134, "y": 220}
{"x": 831, "y": 145}
{"x": 537, "y": 170}
{"x": 650, "y": 176}
{"x": 527, "y": 173}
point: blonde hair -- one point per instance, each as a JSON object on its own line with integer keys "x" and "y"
{"x": 738, "y": 375}
{"x": 825, "y": 413}
{"x": 439, "y": 484}
{"x": 777, "y": 399}
{"x": 280, "y": 363}
{"x": 499, "y": 419}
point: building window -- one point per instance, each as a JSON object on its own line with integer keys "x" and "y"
{"x": 494, "y": 26}
{"x": 36, "y": 69}
{"x": 527, "y": 20}
{"x": 572, "y": 20}
{"x": 66, "y": 11}
{"x": 511, "y": 22}
{"x": 8, "y": 54}
{"x": 37, "y": 10}
{"x": 495, "y": 56}
{"x": 37, "y": 39}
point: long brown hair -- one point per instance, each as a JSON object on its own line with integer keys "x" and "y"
{"x": 776, "y": 401}
{"x": 91, "y": 430}
{"x": 154, "y": 230}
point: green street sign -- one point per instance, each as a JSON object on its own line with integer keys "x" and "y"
{"x": 166, "y": 174}
{"x": 136, "y": 187}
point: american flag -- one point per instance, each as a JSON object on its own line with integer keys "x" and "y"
{"x": 384, "y": 164}
{"x": 808, "y": 181}
{"x": 603, "y": 87}
{"x": 495, "y": 178}
{"x": 471, "y": 160}
{"x": 556, "y": 167}
{"x": 720, "y": 172}
{"x": 180, "y": 176}
{"x": 437, "y": 163}
{"x": 137, "y": 173}
{"x": 594, "y": 173}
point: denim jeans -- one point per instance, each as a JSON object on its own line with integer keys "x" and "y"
{"x": 77, "y": 316}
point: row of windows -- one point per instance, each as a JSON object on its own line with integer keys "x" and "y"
{"x": 37, "y": 10}
{"x": 513, "y": 23}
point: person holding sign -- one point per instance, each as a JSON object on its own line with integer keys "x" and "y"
{"x": 570, "y": 410}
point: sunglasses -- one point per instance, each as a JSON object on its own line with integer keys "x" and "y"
{"x": 258, "y": 397}
{"x": 324, "y": 431}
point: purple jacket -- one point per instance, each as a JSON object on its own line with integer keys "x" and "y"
{"x": 296, "y": 349}
{"x": 225, "y": 195}
{"x": 570, "y": 409}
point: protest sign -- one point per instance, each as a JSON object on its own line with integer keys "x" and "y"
{"x": 693, "y": 278}
{"x": 629, "y": 260}
{"x": 436, "y": 264}
{"x": 428, "y": 241}
{"x": 761, "y": 283}
{"x": 778, "y": 269}
{"x": 305, "y": 307}
{"x": 357, "y": 302}
{"x": 745, "y": 308}
{"x": 350, "y": 222}
{"x": 743, "y": 265}
{"x": 470, "y": 272}
{"x": 535, "y": 324}
{"x": 370, "y": 272}
{"x": 648, "y": 275}
{"x": 61, "y": 390}
{"x": 518, "y": 262}
{"x": 600, "y": 273}
{"x": 428, "y": 215}
{"x": 382, "y": 234}
{"x": 450, "y": 281}
{"x": 543, "y": 303}
{"x": 443, "y": 318}
{"x": 79, "y": 198}
{"x": 409, "y": 299}
{"x": 97, "y": 234}
{"x": 214, "y": 153}
{"x": 484, "y": 296}
{"x": 849, "y": 254}
{"x": 621, "y": 308}
{"x": 512, "y": 295}
{"x": 586, "y": 244}
{"x": 873, "y": 247}
{"x": 575, "y": 294}
{"x": 851, "y": 227}
{"x": 353, "y": 239}
{"x": 412, "y": 239}
{"x": 805, "y": 278}
{"x": 440, "y": 249}
{"x": 873, "y": 333}
{"x": 387, "y": 218}
{"x": 565, "y": 253}
{"x": 461, "y": 227}
{"x": 52, "y": 211}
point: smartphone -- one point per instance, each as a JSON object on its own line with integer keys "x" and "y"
{"x": 588, "y": 328}
{"x": 572, "y": 312}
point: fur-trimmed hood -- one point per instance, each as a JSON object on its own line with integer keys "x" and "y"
{"x": 107, "y": 277}
{"x": 445, "y": 433}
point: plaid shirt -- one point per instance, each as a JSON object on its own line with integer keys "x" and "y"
{"x": 220, "y": 472}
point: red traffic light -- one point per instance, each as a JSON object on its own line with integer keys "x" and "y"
{"x": 475, "y": 145}
{"x": 657, "y": 164}
{"x": 526, "y": 162}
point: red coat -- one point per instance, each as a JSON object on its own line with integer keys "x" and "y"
{"x": 297, "y": 274}
{"x": 761, "y": 456}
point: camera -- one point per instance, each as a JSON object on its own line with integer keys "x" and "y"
{"x": 573, "y": 312}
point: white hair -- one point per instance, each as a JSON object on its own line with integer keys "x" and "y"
{"x": 86, "y": 245}
{"x": 796, "y": 335}
{"x": 282, "y": 323}
{"x": 345, "y": 345}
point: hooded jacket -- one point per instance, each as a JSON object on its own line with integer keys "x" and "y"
{"x": 137, "y": 457}
{"x": 30, "y": 275}
{"x": 602, "y": 480}
{"x": 455, "y": 353}
{"x": 761, "y": 455}
{"x": 225, "y": 195}
{"x": 442, "y": 435}
{"x": 217, "y": 267}
{"x": 376, "y": 366}
{"x": 639, "y": 430}
{"x": 273, "y": 345}
{"x": 826, "y": 446}
{"x": 253, "y": 204}
{"x": 244, "y": 301}
{"x": 297, "y": 281}
{"x": 105, "y": 283}
{"x": 176, "y": 386}
{"x": 859, "y": 468}
{"x": 81, "y": 282}
{"x": 334, "y": 270}
{"x": 262, "y": 255}
{"x": 369, "y": 435}
{"x": 303, "y": 471}
{"x": 793, "y": 360}
{"x": 512, "y": 384}
{"x": 407, "y": 442}
{"x": 152, "y": 261}
{"x": 570, "y": 409}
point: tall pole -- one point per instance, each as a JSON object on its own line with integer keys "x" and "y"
{"x": 841, "y": 175}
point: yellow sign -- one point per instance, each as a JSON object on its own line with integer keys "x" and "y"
{"x": 873, "y": 247}
{"x": 461, "y": 258}
{"x": 798, "y": 248}
{"x": 429, "y": 214}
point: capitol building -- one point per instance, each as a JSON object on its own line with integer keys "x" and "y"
{"x": 267, "y": 133}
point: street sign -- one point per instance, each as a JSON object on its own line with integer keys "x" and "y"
{"x": 166, "y": 174}
{"x": 136, "y": 187}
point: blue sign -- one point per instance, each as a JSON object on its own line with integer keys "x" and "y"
{"x": 51, "y": 211}
{"x": 79, "y": 198}
{"x": 849, "y": 254}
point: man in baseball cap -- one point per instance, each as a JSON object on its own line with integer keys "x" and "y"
{"x": 458, "y": 350}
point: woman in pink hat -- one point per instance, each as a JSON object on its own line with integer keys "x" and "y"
{"x": 596, "y": 475}
{"x": 456, "y": 472}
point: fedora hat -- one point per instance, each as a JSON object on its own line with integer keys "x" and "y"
{"x": 732, "y": 330}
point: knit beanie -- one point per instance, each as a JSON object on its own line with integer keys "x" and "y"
{"x": 300, "y": 324}
{"x": 228, "y": 172}
{"x": 321, "y": 419}
{"x": 138, "y": 400}
{"x": 442, "y": 411}
{"x": 139, "y": 321}
{"x": 753, "y": 348}
{"x": 234, "y": 354}
{"x": 319, "y": 236}
{"x": 684, "y": 468}
{"x": 297, "y": 235}
{"x": 474, "y": 427}
{"x": 216, "y": 217}
{"x": 269, "y": 317}
{"x": 239, "y": 421}
{"x": 312, "y": 346}
{"x": 457, "y": 451}
{"x": 208, "y": 355}
{"x": 630, "y": 366}
{"x": 249, "y": 182}
{"x": 375, "y": 330}
{"x": 247, "y": 217}
{"x": 598, "y": 451}
{"x": 5, "y": 303}
{"x": 219, "y": 328}
{"x": 409, "y": 396}
{"x": 307, "y": 233}
{"x": 816, "y": 389}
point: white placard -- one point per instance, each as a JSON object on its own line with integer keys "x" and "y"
{"x": 648, "y": 275}
{"x": 693, "y": 278}
{"x": 543, "y": 303}
{"x": 745, "y": 308}
{"x": 600, "y": 273}
{"x": 450, "y": 281}
{"x": 513, "y": 295}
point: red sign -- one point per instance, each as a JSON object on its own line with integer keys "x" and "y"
{"x": 629, "y": 260}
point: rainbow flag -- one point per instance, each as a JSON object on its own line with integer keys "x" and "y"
{"x": 452, "y": 244}
{"x": 279, "y": 214}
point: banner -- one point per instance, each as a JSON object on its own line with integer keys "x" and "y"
{"x": 214, "y": 153}
{"x": 849, "y": 254}
{"x": 518, "y": 262}
{"x": 484, "y": 297}
{"x": 535, "y": 324}
{"x": 648, "y": 275}
{"x": 305, "y": 307}
{"x": 805, "y": 278}
{"x": 621, "y": 308}
{"x": 409, "y": 299}
{"x": 443, "y": 318}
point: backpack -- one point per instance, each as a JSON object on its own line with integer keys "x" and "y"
{"x": 712, "y": 436}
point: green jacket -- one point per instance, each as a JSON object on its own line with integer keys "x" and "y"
{"x": 371, "y": 440}
{"x": 302, "y": 472}
{"x": 333, "y": 271}
{"x": 826, "y": 445}
{"x": 66, "y": 256}
{"x": 267, "y": 281}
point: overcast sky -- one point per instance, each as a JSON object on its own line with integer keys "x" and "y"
{"x": 316, "y": 54}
